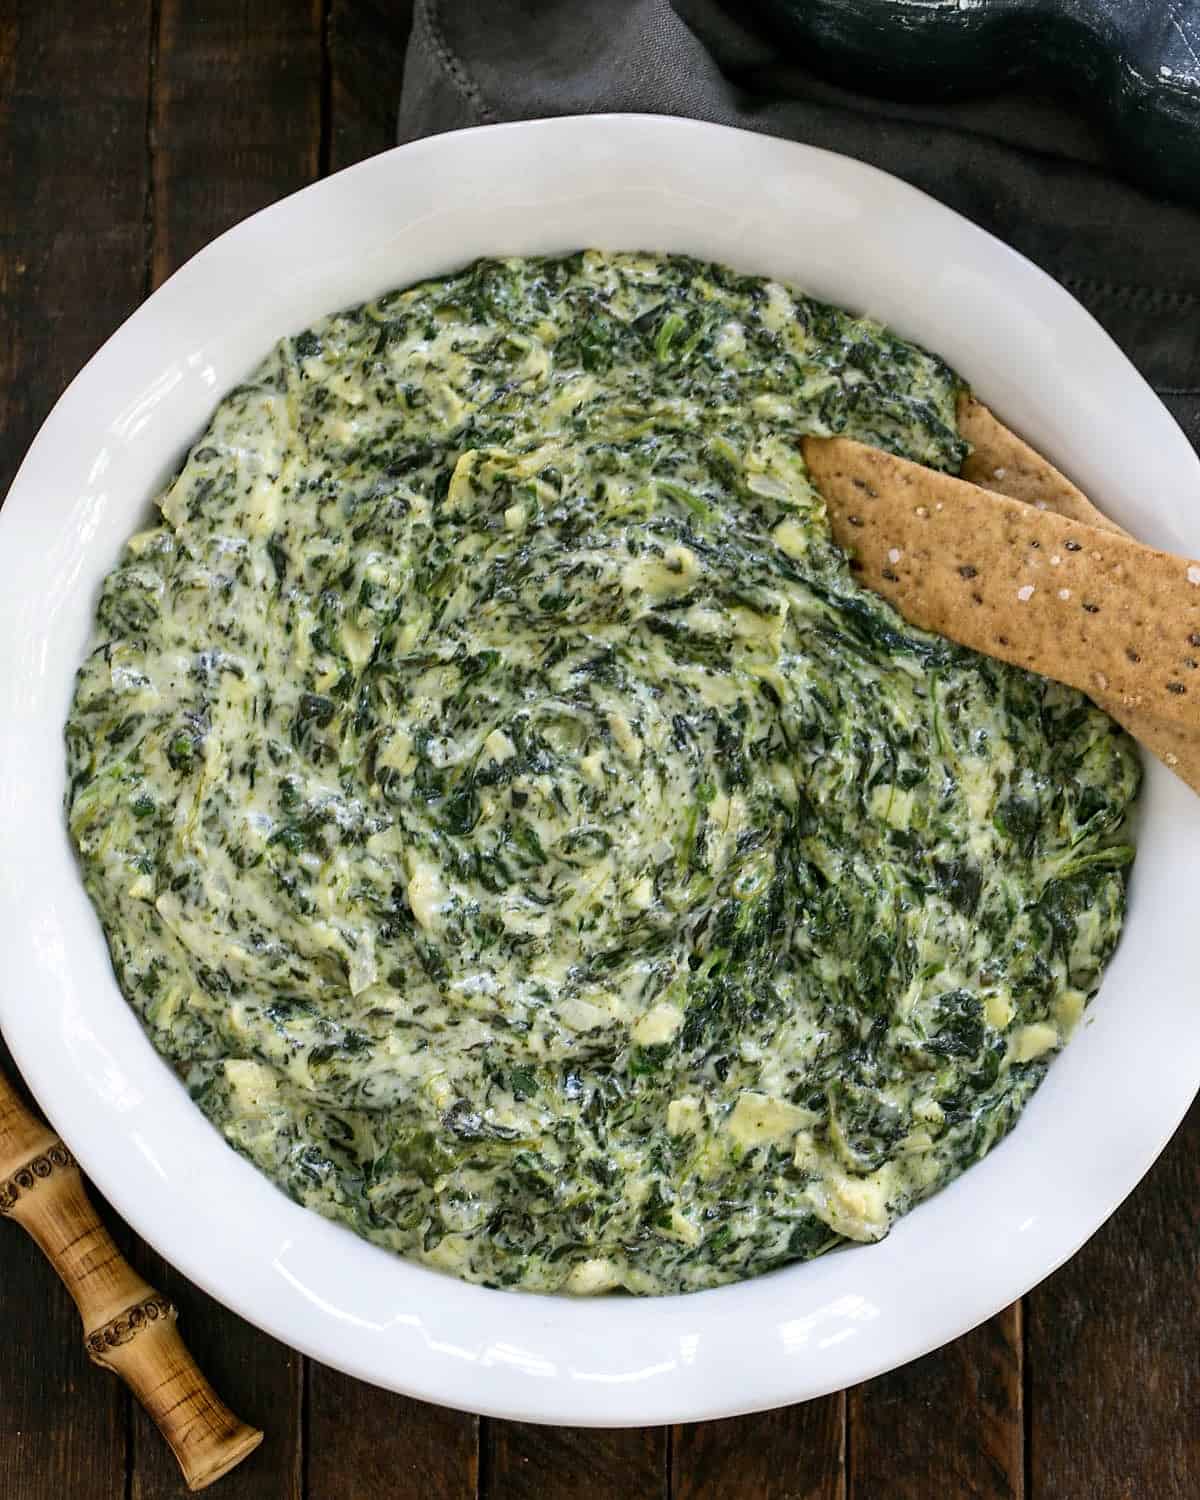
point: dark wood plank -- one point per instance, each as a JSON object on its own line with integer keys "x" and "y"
{"x": 1114, "y": 1379}
{"x": 72, "y": 196}
{"x": 364, "y": 1442}
{"x": 367, "y": 42}
{"x": 72, "y": 266}
{"x": 260, "y": 1379}
{"x": 795, "y": 1453}
{"x": 948, "y": 1424}
{"x": 526, "y": 1462}
{"x": 236, "y": 124}
{"x": 63, "y": 1423}
{"x": 236, "y": 118}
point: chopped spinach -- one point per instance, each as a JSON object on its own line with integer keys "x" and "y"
{"x": 532, "y": 845}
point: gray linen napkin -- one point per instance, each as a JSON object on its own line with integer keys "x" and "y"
{"x": 1023, "y": 164}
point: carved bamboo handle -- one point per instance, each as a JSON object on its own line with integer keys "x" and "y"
{"x": 128, "y": 1327}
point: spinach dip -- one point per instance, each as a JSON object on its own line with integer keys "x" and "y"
{"x": 527, "y": 840}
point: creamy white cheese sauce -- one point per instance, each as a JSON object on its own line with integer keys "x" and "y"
{"x": 528, "y": 841}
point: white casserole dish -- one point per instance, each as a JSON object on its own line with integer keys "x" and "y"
{"x": 841, "y": 231}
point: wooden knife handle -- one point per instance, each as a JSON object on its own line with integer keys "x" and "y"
{"x": 128, "y": 1327}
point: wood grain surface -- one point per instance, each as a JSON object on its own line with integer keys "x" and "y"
{"x": 527, "y": 1462}
{"x": 949, "y": 1424}
{"x": 131, "y": 133}
{"x": 796, "y": 1453}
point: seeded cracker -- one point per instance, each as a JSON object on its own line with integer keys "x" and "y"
{"x": 1088, "y": 607}
{"x": 999, "y": 460}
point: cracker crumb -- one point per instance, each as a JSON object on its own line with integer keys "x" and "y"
{"x": 999, "y": 473}
{"x": 1171, "y": 758}
{"x": 1193, "y": 574}
{"x": 1055, "y": 560}
{"x": 1101, "y": 681}
{"x": 923, "y": 511}
{"x": 894, "y": 554}
{"x": 938, "y": 506}
{"x": 1025, "y": 592}
{"x": 1043, "y": 505}
{"x": 1064, "y": 593}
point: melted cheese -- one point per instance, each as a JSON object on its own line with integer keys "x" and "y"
{"x": 532, "y": 846}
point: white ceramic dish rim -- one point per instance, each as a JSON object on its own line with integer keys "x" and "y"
{"x": 841, "y": 230}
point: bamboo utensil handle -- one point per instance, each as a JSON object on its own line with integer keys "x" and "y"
{"x": 128, "y": 1327}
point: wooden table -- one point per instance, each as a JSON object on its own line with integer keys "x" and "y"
{"x": 130, "y": 134}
